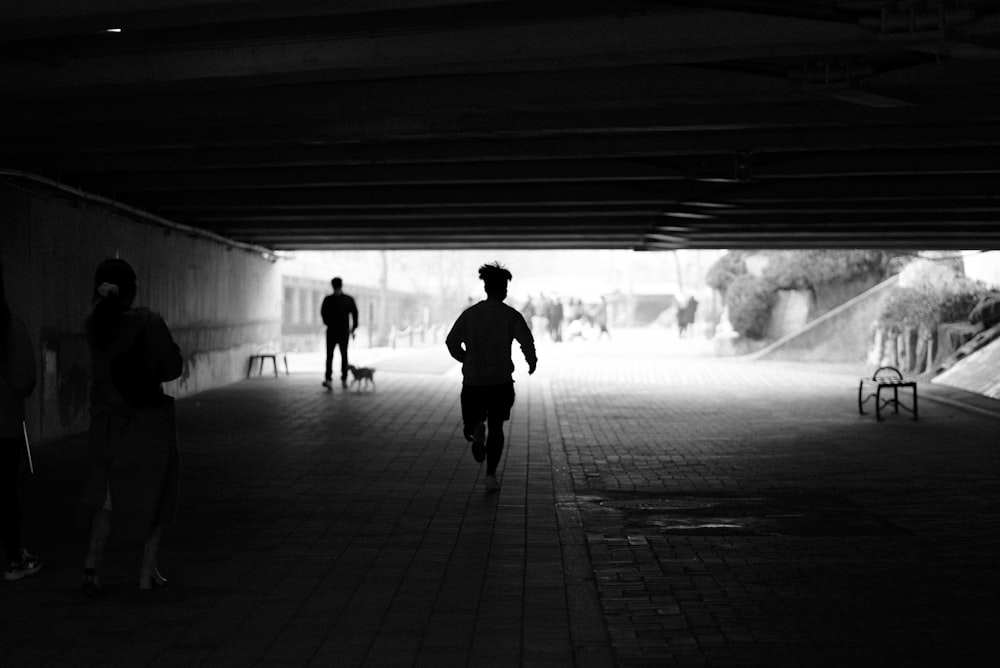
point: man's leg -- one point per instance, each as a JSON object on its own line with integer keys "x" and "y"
{"x": 500, "y": 402}
{"x": 343, "y": 359}
{"x": 328, "y": 369}
{"x": 494, "y": 444}
{"x": 473, "y": 420}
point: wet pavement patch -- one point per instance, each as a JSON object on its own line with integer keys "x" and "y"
{"x": 771, "y": 513}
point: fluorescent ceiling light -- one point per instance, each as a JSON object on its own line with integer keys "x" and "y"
{"x": 708, "y": 205}
{"x": 686, "y": 214}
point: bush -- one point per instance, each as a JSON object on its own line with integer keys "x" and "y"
{"x": 724, "y": 270}
{"x": 750, "y": 300}
{"x": 805, "y": 270}
{"x": 910, "y": 307}
{"x": 957, "y": 305}
{"x": 929, "y": 305}
{"x": 802, "y": 269}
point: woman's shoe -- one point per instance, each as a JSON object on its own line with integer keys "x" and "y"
{"x": 91, "y": 586}
{"x": 29, "y": 564}
{"x": 156, "y": 580}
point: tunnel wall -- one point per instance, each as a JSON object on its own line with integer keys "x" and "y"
{"x": 222, "y": 303}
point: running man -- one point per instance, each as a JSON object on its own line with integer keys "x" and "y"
{"x": 481, "y": 340}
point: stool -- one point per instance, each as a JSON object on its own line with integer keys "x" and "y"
{"x": 263, "y": 355}
{"x": 886, "y": 377}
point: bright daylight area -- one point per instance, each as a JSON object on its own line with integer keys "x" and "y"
{"x": 911, "y": 310}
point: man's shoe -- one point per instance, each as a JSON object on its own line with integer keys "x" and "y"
{"x": 479, "y": 442}
{"x": 29, "y": 565}
{"x": 343, "y": 383}
{"x": 491, "y": 483}
{"x": 327, "y": 384}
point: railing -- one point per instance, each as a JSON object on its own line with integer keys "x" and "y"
{"x": 909, "y": 349}
{"x": 417, "y": 335}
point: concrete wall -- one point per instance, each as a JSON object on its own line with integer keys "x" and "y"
{"x": 221, "y": 303}
{"x": 977, "y": 372}
{"x": 789, "y": 313}
{"x": 830, "y": 296}
{"x": 841, "y": 334}
{"x": 794, "y": 308}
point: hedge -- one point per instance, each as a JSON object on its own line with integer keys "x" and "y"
{"x": 808, "y": 269}
{"x": 750, "y": 300}
{"x": 927, "y": 306}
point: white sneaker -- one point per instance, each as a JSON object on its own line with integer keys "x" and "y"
{"x": 29, "y": 565}
{"x": 491, "y": 483}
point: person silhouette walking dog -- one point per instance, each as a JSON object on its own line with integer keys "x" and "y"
{"x": 340, "y": 315}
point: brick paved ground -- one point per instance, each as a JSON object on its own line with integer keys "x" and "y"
{"x": 655, "y": 510}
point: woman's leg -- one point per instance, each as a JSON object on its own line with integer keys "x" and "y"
{"x": 100, "y": 529}
{"x": 10, "y": 510}
{"x": 148, "y": 573}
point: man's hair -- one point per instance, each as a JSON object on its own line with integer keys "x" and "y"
{"x": 494, "y": 276}
{"x": 337, "y": 283}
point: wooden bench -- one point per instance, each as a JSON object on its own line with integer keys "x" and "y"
{"x": 886, "y": 377}
{"x": 263, "y": 355}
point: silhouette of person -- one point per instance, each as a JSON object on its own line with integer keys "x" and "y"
{"x": 685, "y": 316}
{"x": 17, "y": 380}
{"x": 528, "y": 311}
{"x": 481, "y": 340}
{"x": 601, "y": 318}
{"x": 555, "y": 315}
{"x": 133, "y": 437}
{"x": 340, "y": 315}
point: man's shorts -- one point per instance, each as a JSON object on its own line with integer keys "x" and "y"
{"x": 480, "y": 402}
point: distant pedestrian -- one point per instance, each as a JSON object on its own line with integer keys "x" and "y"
{"x": 133, "y": 435}
{"x": 686, "y": 315}
{"x": 340, "y": 315}
{"x": 528, "y": 311}
{"x": 17, "y": 380}
{"x": 555, "y": 315}
{"x": 601, "y": 319}
{"x": 481, "y": 340}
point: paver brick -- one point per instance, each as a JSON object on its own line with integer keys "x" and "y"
{"x": 352, "y": 529}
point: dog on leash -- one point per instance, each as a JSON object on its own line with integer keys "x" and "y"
{"x": 363, "y": 376}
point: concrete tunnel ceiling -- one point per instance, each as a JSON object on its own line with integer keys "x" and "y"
{"x": 491, "y": 124}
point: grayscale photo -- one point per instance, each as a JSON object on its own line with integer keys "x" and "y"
{"x": 491, "y": 333}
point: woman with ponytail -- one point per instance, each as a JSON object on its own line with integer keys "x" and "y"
{"x": 17, "y": 380}
{"x": 135, "y": 463}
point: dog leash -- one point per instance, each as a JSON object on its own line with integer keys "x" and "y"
{"x": 24, "y": 430}
{"x": 27, "y": 447}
